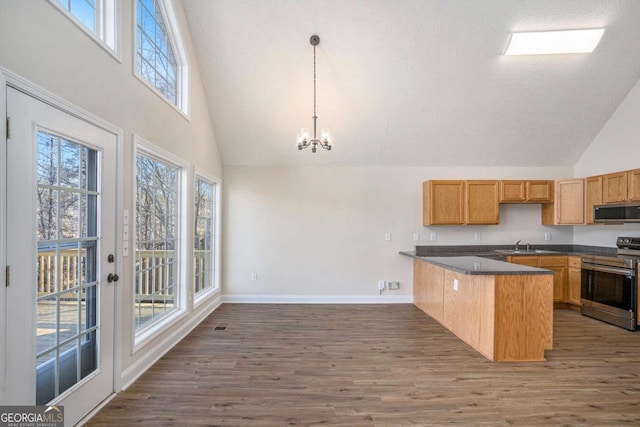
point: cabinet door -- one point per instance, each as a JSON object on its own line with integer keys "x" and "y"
{"x": 539, "y": 191}
{"x": 443, "y": 202}
{"x": 482, "y": 202}
{"x": 568, "y": 207}
{"x": 512, "y": 192}
{"x": 559, "y": 283}
{"x": 593, "y": 196}
{"x": 634, "y": 185}
{"x": 575, "y": 281}
{"x": 614, "y": 187}
{"x": 570, "y": 201}
{"x": 557, "y": 264}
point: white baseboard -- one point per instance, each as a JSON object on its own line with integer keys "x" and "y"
{"x": 134, "y": 371}
{"x": 318, "y": 299}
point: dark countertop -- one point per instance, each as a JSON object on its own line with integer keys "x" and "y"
{"x": 484, "y": 260}
{"x": 490, "y": 250}
{"x": 475, "y": 265}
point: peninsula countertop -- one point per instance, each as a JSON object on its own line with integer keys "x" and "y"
{"x": 475, "y": 265}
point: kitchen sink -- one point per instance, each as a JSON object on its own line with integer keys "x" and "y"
{"x": 524, "y": 251}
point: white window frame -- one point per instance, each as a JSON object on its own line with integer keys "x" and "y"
{"x": 107, "y": 32}
{"x": 200, "y": 297}
{"x": 145, "y": 334}
{"x": 179, "y": 52}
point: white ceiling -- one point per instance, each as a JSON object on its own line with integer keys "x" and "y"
{"x": 410, "y": 82}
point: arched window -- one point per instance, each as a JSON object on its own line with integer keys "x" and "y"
{"x": 161, "y": 61}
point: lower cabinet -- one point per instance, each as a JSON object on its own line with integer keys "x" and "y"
{"x": 504, "y": 317}
{"x": 555, "y": 263}
{"x": 574, "y": 280}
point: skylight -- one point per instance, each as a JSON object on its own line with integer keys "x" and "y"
{"x": 554, "y": 42}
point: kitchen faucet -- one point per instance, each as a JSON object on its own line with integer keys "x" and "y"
{"x": 517, "y": 243}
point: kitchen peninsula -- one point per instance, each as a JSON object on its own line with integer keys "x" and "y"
{"x": 502, "y": 310}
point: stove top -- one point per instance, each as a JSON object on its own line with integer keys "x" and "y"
{"x": 628, "y": 247}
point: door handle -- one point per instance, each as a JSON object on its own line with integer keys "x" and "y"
{"x": 112, "y": 278}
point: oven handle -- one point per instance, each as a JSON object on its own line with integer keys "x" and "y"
{"x": 612, "y": 270}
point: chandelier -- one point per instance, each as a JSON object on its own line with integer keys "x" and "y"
{"x": 304, "y": 140}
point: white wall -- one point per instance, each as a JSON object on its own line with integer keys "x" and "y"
{"x": 319, "y": 231}
{"x": 615, "y": 148}
{"x": 42, "y": 45}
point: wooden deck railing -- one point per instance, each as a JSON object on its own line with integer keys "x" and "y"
{"x": 151, "y": 274}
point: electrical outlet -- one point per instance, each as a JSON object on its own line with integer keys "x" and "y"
{"x": 381, "y": 285}
{"x": 254, "y": 276}
{"x": 392, "y": 286}
{"x": 477, "y": 236}
{"x": 416, "y": 237}
{"x": 387, "y": 236}
{"x": 455, "y": 284}
{"x": 434, "y": 236}
{"x": 547, "y": 235}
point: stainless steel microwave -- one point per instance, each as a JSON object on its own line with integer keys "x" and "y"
{"x": 618, "y": 213}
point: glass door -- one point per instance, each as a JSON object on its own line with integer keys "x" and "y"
{"x": 61, "y": 239}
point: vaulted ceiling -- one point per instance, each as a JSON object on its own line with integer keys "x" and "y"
{"x": 410, "y": 82}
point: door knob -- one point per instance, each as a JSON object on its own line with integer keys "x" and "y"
{"x": 112, "y": 278}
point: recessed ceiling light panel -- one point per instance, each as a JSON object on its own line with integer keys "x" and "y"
{"x": 554, "y": 42}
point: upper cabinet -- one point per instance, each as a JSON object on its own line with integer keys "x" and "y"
{"x": 460, "y": 202}
{"x": 482, "y": 202}
{"x": 634, "y": 185}
{"x": 443, "y": 202}
{"x": 568, "y": 207}
{"x": 526, "y": 191}
{"x": 614, "y": 187}
{"x": 593, "y": 195}
{"x": 621, "y": 187}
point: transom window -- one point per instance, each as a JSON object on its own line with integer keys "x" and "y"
{"x": 84, "y": 10}
{"x": 97, "y": 18}
{"x": 156, "y": 259}
{"x": 204, "y": 251}
{"x": 160, "y": 58}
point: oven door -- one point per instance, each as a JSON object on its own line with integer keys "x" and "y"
{"x": 609, "y": 294}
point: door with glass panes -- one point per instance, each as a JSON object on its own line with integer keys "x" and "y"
{"x": 61, "y": 245}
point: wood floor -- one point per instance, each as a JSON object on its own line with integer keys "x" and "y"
{"x": 377, "y": 365}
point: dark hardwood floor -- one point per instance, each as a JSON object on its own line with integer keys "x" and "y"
{"x": 377, "y": 365}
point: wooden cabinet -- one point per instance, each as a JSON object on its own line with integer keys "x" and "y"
{"x": 443, "y": 202}
{"x": 460, "y": 202}
{"x": 593, "y": 196}
{"x": 633, "y": 185}
{"x": 482, "y": 202}
{"x": 574, "y": 280}
{"x": 558, "y": 264}
{"x": 614, "y": 187}
{"x": 555, "y": 263}
{"x": 504, "y": 317}
{"x": 512, "y": 191}
{"x": 539, "y": 191}
{"x": 621, "y": 187}
{"x": 568, "y": 205}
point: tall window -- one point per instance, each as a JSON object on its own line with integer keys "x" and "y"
{"x": 96, "y": 17}
{"x": 160, "y": 59}
{"x": 204, "y": 251}
{"x": 156, "y": 260}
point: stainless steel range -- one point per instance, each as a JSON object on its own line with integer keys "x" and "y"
{"x": 610, "y": 286}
